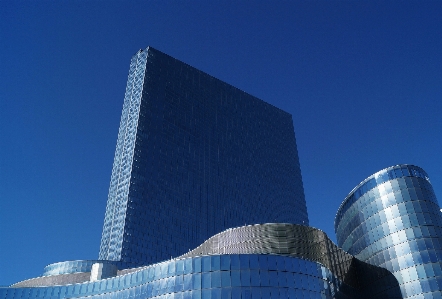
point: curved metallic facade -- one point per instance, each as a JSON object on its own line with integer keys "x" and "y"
{"x": 279, "y": 238}
{"x": 357, "y": 279}
{"x": 392, "y": 219}
{"x": 257, "y": 261}
{"x": 71, "y": 267}
{"x": 216, "y": 276}
{"x": 54, "y": 280}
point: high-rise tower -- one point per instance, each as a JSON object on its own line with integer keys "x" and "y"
{"x": 194, "y": 156}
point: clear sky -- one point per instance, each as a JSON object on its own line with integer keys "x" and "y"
{"x": 362, "y": 79}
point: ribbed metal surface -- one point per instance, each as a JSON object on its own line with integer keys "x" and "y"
{"x": 278, "y": 238}
{"x": 302, "y": 242}
{"x": 54, "y": 280}
{"x": 296, "y": 241}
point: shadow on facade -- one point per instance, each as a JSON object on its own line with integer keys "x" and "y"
{"x": 370, "y": 281}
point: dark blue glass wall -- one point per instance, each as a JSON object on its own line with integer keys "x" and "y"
{"x": 194, "y": 157}
{"x": 393, "y": 220}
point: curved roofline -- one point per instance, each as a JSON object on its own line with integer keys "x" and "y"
{"x": 364, "y": 181}
{"x": 98, "y": 261}
{"x": 279, "y": 223}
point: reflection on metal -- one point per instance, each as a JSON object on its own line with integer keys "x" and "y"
{"x": 278, "y": 238}
{"x": 392, "y": 220}
{"x": 68, "y": 267}
{"x": 302, "y": 242}
{"x": 380, "y": 177}
{"x": 294, "y": 261}
{"x": 61, "y": 279}
{"x": 102, "y": 271}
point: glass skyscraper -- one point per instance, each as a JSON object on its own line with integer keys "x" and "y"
{"x": 206, "y": 202}
{"x": 194, "y": 157}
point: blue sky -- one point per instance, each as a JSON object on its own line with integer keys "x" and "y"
{"x": 362, "y": 79}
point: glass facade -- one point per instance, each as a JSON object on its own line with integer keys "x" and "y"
{"x": 354, "y": 279}
{"x": 217, "y": 276}
{"x": 277, "y": 268}
{"x": 194, "y": 157}
{"x": 70, "y": 267}
{"x": 393, "y": 220}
